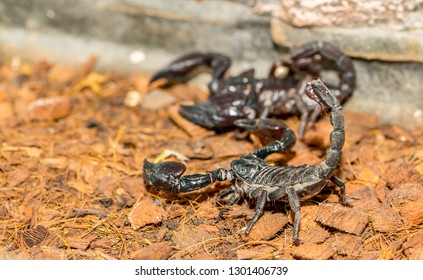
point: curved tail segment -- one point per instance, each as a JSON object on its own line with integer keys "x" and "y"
{"x": 303, "y": 55}
{"x": 317, "y": 91}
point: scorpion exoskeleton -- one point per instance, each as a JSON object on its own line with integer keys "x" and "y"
{"x": 247, "y": 97}
{"x": 253, "y": 178}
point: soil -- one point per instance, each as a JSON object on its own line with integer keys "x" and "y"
{"x": 73, "y": 142}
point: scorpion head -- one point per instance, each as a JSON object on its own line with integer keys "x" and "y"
{"x": 247, "y": 166}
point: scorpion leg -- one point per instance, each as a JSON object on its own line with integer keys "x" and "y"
{"x": 294, "y": 203}
{"x": 314, "y": 116}
{"x": 261, "y": 202}
{"x": 304, "y": 112}
{"x": 167, "y": 176}
{"x": 232, "y": 200}
{"x": 225, "y": 193}
{"x": 337, "y": 181}
{"x": 180, "y": 70}
{"x": 268, "y": 130}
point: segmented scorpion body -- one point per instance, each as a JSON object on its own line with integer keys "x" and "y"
{"x": 253, "y": 178}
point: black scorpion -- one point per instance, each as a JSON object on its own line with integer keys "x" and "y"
{"x": 258, "y": 181}
{"x": 246, "y": 97}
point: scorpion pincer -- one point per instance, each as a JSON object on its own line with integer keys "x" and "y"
{"x": 253, "y": 178}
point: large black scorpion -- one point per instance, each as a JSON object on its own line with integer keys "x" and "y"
{"x": 246, "y": 97}
{"x": 253, "y": 178}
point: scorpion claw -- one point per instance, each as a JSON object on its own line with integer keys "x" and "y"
{"x": 218, "y": 112}
{"x": 167, "y": 176}
{"x": 177, "y": 71}
{"x": 184, "y": 67}
{"x": 164, "y": 174}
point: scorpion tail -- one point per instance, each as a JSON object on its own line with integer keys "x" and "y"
{"x": 347, "y": 74}
{"x": 317, "y": 91}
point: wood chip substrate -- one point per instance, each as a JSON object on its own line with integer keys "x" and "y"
{"x": 72, "y": 146}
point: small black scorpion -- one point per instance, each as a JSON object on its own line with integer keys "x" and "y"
{"x": 246, "y": 97}
{"x": 253, "y": 178}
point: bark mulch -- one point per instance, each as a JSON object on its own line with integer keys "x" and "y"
{"x": 72, "y": 147}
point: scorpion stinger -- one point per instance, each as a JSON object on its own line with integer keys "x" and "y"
{"x": 253, "y": 178}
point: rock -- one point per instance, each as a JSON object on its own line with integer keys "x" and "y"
{"x": 381, "y": 46}
{"x": 49, "y": 108}
{"x": 391, "y": 13}
{"x": 384, "y": 45}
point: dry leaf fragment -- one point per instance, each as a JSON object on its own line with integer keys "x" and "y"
{"x": 50, "y": 108}
{"x": 83, "y": 212}
{"x": 310, "y": 251}
{"x": 267, "y": 226}
{"x": 6, "y": 111}
{"x": 34, "y": 236}
{"x": 342, "y": 218}
{"x": 413, "y": 247}
{"x": 155, "y": 251}
{"x": 17, "y": 176}
{"x": 310, "y": 230}
{"x": 347, "y": 244}
{"x": 187, "y": 236}
{"x": 81, "y": 243}
{"x": 256, "y": 253}
{"x": 385, "y": 219}
{"x": 145, "y": 212}
{"x": 412, "y": 212}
